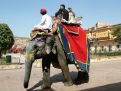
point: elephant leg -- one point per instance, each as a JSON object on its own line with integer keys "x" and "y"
{"x": 65, "y": 71}
{"x": 63, "y": 63}
{"x": 82, "y": 77}
{"x": 46, "y": 72}
{"x": 28, "y": 62}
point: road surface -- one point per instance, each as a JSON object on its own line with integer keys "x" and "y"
{"x": 104, "y": 76}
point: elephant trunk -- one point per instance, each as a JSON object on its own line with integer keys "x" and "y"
{"x": 28, "y": 67}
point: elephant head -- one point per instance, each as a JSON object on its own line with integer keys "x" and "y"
{"x": 43, "y": 49}
{"x": 38, "y": 48}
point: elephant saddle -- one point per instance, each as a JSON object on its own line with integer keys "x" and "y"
{"x": 76, "y": 45}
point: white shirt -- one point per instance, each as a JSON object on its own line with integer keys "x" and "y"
{"x": 72, "y": 18}
{"x": 45, "y": 23}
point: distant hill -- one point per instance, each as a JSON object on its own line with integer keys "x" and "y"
{"x": 20, "y": 41}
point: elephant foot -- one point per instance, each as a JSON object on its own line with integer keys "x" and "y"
{"x": 78, "y": 82}
{"x": 46, "y": 86}
{"x": 46, "y": 80}
{"x": 70, "y": 83}
{"x": 25, "y": 85}
{"x": 82, "y": 77}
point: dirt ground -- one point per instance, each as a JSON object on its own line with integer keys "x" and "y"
{"x": 104, "y": 76}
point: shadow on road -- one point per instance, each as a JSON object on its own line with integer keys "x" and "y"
{"x": 110, "y": 87}
{"x": 54, "y": 79}
{"x": 42, "y": 90}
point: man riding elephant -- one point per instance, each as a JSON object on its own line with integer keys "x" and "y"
{"x": 45, "y": 26}
{"x": 43, "y": 45}
{"x": 63, "y": 13}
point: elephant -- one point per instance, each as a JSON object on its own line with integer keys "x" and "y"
{"x": 50, "y": 52}
{"x": 49, "y": 48}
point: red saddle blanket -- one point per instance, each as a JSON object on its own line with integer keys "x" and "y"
{"x": 76, "y": 45}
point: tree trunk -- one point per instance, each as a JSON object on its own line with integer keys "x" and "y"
{"x": 0, "y": 57}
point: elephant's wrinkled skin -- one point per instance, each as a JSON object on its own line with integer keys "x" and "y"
{"x": 38, "y": 48}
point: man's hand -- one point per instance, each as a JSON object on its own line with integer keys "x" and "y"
{"x": 50, "y": 34}
{"x": 40, "y": 30}
{"x": 34, "y": 29}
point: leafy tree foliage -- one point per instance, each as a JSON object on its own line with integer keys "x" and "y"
{"x": 6, "y": 38}
{"x": 117, "y": 35}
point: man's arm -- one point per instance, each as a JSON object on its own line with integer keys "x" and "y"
{"x": 42, "y": 20}
{"x": 54, "y": 29}
{"x": 40, "y": 23}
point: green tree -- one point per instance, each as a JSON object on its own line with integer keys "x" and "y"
{"x": 117, "y": 35}
{"x": 6, "y": 38}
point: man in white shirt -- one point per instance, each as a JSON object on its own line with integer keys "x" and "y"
{"x": 45, "y": 23}
{"x": 45, "y": 26}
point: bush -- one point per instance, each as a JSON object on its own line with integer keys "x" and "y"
{"x": 109, "y": 53}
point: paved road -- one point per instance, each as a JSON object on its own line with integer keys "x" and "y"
{"x": 104, "y": 76}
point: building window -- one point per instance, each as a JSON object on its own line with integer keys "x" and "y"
{"x": 118, "y": 46}
{"x": 110, "y": 48}
{"x": 102, "y": 48}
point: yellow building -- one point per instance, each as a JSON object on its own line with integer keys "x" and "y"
{"x": 101, "y": 38}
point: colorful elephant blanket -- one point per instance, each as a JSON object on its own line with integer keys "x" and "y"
{"x": 76, "y": 45}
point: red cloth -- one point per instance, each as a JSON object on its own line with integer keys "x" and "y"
{"x": 78, "y": 43}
